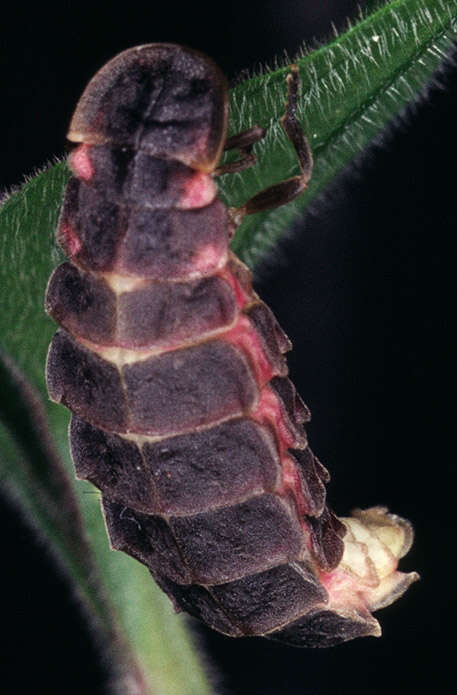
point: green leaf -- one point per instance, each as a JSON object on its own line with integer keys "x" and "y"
{"x": 351, "y": 89}
{"x": 33, "y": 476}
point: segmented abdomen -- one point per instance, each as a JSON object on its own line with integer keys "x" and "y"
{"x": 174, "y": 370}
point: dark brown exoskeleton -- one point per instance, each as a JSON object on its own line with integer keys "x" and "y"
{"x": 174, "y": 369}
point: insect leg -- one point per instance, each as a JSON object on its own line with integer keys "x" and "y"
{"x": 285, "y": 191}
{"x": 245, "y": 139}
{"x": 244, "y": 142}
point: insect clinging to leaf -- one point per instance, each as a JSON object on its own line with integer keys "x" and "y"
{"x": 183, "y": 414}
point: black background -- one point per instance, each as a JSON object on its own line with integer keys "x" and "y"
{"x": 362, "y": 287}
